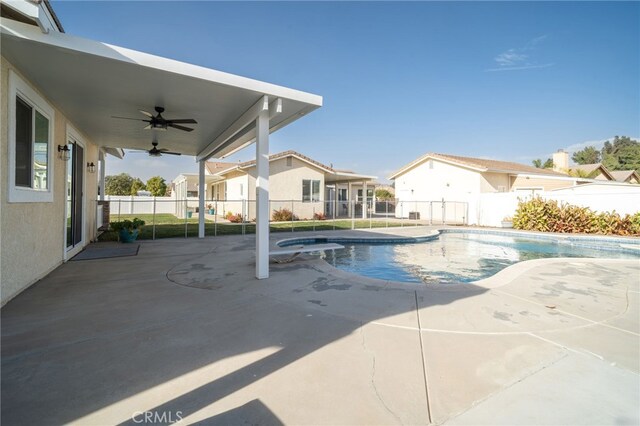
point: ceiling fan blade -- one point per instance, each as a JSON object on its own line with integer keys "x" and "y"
{"x": 183, "y": 120}
{"x": 137, "y": 151}
{"x": 127, "y": 118}
{"x": 171, "y": 153}
{"x": 148, "y": 114}
{"x": 175, "y": 126}
{"x": 147, "y": 127}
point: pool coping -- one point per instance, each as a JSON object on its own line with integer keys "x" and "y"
{"x": 504, "y": 276}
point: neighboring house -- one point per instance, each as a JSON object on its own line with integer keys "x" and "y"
{"x": 59, "y": 94}
{"x": 595, "y": 171}
{"x": 600, "y": 172}
{"x": 434, "y": 177}
{"x": 628, "y": 176}
{"x": 295, "y": 182}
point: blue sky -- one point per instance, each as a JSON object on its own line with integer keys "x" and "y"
{"x": 506, "y": 80}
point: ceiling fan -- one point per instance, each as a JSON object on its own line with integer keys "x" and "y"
{"x": 155, "y": 152}
{"x": 158, "y": 122}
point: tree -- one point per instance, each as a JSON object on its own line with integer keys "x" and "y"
{"x": 622, "y": 154}
{"x": 157, "y": 186}
{"x": 137, "y": 185}
{"x": 582, "y": 173}
{"x": 548, "y": 164}
{"x": 384, "y": 195}
{"x": 589, "y": 155}
{"x": 118, "y": 184}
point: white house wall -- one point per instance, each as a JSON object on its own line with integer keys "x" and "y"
{"x": 32, "y": 242}
{"x": 434, "y": 180}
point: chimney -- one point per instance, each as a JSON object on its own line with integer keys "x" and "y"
{"x": 561, "y": 161}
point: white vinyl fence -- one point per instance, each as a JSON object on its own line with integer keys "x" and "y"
{"x": 491, "y": 208}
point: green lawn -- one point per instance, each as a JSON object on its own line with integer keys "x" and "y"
{"x": 168, "y": 226}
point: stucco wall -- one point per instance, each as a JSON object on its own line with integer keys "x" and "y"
{"x": 32, "y": 234}
{"x": 491, "y": 182}
{"x": 285, "y": 184}
{"x": 424, "y": 183}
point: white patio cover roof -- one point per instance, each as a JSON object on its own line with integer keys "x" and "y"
{"x": 90, "y": 82}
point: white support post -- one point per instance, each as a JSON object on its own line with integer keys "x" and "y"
{"x": 365, "y": 199}
{"x": 350, "y": 200}
{"x": 202, "y": 193}
{"x": 102, "y": 173}
{"x": 262, "y": 195}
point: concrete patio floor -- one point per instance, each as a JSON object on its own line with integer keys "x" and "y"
{"x": 184, "y": 331}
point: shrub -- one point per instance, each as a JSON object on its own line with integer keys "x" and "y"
{"x": 319, "y": 216}
{"x": 234, "y": 218}
{"x": 127, "y": 224}
{"x": 283, "y": 215}
{"x": 549, "y": 216}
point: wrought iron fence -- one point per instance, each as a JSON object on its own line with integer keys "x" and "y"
{"x": 166, "y": 216}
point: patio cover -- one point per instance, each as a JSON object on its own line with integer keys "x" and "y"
{"x": 92, "y": 81}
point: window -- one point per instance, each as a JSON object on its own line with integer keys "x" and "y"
{"x": 30, "y": 144}
{"x": 289, "y": 161}
{"x": 310, "y": 190}
{"x": 342, "y": 194}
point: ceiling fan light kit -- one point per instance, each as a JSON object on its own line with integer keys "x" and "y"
{"x": 158, "y": 122}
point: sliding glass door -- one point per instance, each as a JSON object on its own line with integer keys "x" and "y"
{"x": 75, "y": 196}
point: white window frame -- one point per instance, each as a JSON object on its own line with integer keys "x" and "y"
{"x": 311, "y": 199}
{"x": 19, "y": 194}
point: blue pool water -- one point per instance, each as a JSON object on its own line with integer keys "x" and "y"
{"x": 460, "y": 256}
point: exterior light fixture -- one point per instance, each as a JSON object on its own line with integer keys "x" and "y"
{"x": 91, "y": 167}
{"x": 63, "y": 152}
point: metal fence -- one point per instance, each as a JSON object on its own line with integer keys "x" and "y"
{"x": 238, "y": 216}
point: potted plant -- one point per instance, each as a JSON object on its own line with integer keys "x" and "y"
{"x": 507, "y": 222}
{"x": 127, "y": 229}
{"x": 189, "y": 214}
{"x": 210, "y": 209}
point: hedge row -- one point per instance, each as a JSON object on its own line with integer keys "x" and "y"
{"x": 549, "y": 216}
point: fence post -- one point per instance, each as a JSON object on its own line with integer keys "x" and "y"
{"x": 401, "y": 214}
{"x": 119, "y": 206}
{"x": 292, "y": 215}
{"x": 314, "y": 218}
{"x": 371, "y": 215}
{"x": 444, "y": 211}
{"x": 215, "y": 220}
{"x": 154, "y": 218}
{"x": 244, "y": 212}
{"x": 335, "y": 212}
{"x": 186, "y": 217}
{"x": 415, "y": 208}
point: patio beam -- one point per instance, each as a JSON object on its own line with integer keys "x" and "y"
{"x": 202, "y": 192}
{"x": 247, "y": 119}
{"x": 262, "y": 194}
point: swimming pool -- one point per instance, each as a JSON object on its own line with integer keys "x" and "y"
{"x": 461, "y": 256}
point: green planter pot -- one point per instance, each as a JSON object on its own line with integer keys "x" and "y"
{"x": 189, "y": 214}
{"x": 127, "y": 236}
{"x": 212, "y": 211}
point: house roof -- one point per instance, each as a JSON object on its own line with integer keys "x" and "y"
{"x": 331, "y": 174}
{"x": 624, "y": 175}
{"x": 590, "y": 168}
{"x": 478, "y": 164}
{"x": 285, "y": 154}
{"x": 214, "y": 167}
